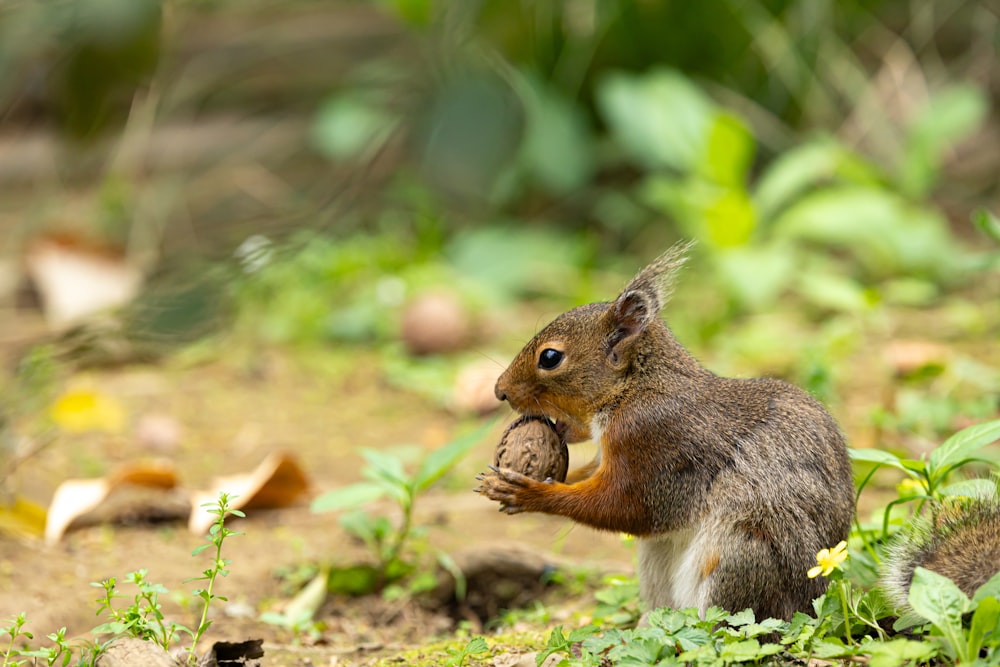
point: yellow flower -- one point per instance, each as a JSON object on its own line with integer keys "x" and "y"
{"x": 828, "y": 560}
{"x": 909, "y": 487}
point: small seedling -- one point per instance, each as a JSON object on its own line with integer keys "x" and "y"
{"x": 217, "y": 534}
{"x": 13, "y": 631}
{"x": 475, "y": 646}
{"x": 387, "y": 542}
{"x": 143, "y": 618}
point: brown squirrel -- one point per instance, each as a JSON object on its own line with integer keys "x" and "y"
{"x": 730, "y": 485}
{"x": 960, "y": 540}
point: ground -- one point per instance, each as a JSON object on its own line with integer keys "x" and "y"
{"x": 236, "y": 403}
{"x": 318, "y": 405}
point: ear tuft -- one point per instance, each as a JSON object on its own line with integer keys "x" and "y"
{"x": 656, "y": 282}
{"x": 641, "y": 301}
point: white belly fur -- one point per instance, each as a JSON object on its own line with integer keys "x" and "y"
{"x": 671, "y": 569}
{"x": 671, "y": 564}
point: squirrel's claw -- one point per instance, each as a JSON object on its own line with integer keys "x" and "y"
{"x": 503, "y": 486}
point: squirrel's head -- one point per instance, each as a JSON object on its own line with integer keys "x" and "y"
{"x": 576, "y": 363}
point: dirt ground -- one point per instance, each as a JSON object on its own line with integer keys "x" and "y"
{"x": 233, "y": 413}
{"x": 235, "y": 405}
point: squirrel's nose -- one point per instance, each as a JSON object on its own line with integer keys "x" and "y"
{"x": 500, "y": 393}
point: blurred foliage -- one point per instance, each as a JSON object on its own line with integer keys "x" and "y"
{"x": 518, "y": 150}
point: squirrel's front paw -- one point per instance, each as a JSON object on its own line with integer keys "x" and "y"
{"x": 505, "y": 486}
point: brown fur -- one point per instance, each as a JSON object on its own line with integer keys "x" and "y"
{"x": 962, "y": 542}
{"x": 755, "y": 469}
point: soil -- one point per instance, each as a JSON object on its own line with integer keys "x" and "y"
{"x": 235, "y": 404}
{"x": 321, "y": 405}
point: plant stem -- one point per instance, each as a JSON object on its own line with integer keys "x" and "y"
{"x": 845, "y": 590}
{"x": 400, "y": 538}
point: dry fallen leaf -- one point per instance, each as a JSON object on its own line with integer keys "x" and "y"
{"x": 75, "y": 280}
{"x": 76, "y": 497}
{"x": 278, "y": 481}
{"x": 22, "y": 518}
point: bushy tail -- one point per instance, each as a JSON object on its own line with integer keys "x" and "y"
{"x": 960, "y": 540}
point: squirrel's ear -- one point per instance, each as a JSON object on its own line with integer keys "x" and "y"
{"x": 642, "y": 300}
{"x": 629, "y": 315}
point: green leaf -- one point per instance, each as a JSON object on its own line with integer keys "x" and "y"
{"x": 738, "y": 619}
{"x": 886, "y": 234}
{"x": 877, "y": 456}
{"x": 742, "y": 651}
{"x": 348, "y": 496}
{"x": 798, "y": 169}
{"x": 443, "y": 459}
{"x": 556, "y": 150}
{"x": 728, "y": 152}
{"x": 114, "y": 628}
{"x": 756, "y": 275}
{"x": 962, "y": 445}
{"x": 579, "y": 634}
{"x": 940, "y": 601}
{"x": 516, "y": 260}
{"x": 415, "y": 12}
{"x": 969, "y": 488}
{"x": 688, "y": 638}
{"x": 728, "y": 218}
{"x": 990, "y": 589}
{"x": 828, "y": 290}
{"x": 985, "y": 620}
{"x": 900, "y": 651}
{"x": 950, "y": 116}
{"x": 353, "y": 580}
{"x": 989, "y": 223}
{"x": 348, "y": 126}
{"x": 384, "y": 466}
{"x": 721, "y": 216}
{"x": 660, "y": 118}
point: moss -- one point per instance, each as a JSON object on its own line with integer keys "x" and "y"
{"x": 436, "y": 654}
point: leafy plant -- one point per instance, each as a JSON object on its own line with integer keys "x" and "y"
{"x": 760, "y": 235}
{"x": 143, "y": 617}
{"x": 618, "y": 601}
{"x": 475, "y": 646}
{"x": 939, "y": 600}
{"x": 217, "y": 534}
{"x": 13, "y": 631}
{"x": 387, "y": 478}
{"x": 847, "y": 621}
{"x": 929, "y": 476}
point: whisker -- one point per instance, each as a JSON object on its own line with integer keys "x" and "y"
{"x": 487, "y": 357}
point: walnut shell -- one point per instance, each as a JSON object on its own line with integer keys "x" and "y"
{"x": 531, "y": 446}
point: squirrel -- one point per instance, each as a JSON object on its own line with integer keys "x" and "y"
{"x": 731, "y": 486}
{"x": 959, "y": 540}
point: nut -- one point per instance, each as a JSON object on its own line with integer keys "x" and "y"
{"x": 435, "y": 323}
{"x": 532, "y": 447}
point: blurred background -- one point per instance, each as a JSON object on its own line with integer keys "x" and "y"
{"x": 401, "y": 175}
{"x": 232, "y": 227}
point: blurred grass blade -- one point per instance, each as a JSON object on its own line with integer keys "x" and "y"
{"x": 989, "y": 223}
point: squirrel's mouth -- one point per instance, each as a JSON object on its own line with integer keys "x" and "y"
{"x": 560, "y": 427}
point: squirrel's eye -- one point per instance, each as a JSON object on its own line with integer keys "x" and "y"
{"x": 549, "y": 358}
